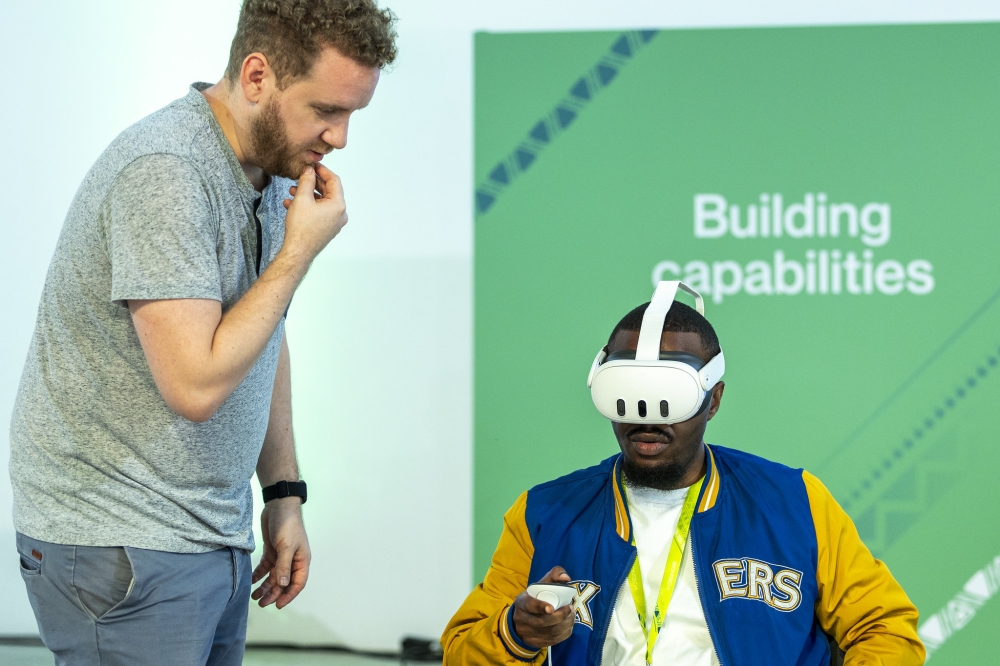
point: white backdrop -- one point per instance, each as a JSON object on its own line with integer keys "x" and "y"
{"x": 385, "y": 311}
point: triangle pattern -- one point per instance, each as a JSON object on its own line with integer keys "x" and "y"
{"x": 994, "y": 572}
{"x": 524, "y": 158}
{"x": 978, "y": 586}
{"x": 484, "y": 200}
{"x": 499, "y": 174}
{"x": 565, "y": 116}
{"x": 622, "y": 47}
{"x": 606, "y": 73}
{"x": 959, "y": 613}
{"x": 540, "y": 132}
{"x": 932, "y": 631}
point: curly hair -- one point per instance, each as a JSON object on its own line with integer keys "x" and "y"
{"x": 291, "y": 33}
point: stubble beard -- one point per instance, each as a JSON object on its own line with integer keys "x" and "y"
{"x": 272, "y": 151}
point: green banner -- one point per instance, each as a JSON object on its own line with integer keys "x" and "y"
{"x": 833, "y": 193}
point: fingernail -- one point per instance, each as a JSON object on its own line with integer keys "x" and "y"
{"x": 309, "y": 169}
{"x": 284, "y": 581}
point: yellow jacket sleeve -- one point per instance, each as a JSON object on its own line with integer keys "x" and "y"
{"x": 860, "y": 604}
{"x": 479, "y": 633}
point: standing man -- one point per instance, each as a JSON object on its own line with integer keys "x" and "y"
{"x": 157, "y": 380}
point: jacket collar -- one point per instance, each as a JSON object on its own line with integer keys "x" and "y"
{"x": 713, "y": 481}
{"x": 623, "y": 522}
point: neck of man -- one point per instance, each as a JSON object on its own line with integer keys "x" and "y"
{"x": 220, "y": 99}
{"x": 668, "y": 477}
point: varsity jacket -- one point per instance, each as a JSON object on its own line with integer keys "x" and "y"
{"x": 779, "y": 567}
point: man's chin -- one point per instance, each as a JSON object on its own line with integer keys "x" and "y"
{"x": 292, "y": 172}
{"x": 663, "y": 472}
{"x": 289, "y": 168}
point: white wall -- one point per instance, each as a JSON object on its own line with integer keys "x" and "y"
{"x": 386, "y": 310}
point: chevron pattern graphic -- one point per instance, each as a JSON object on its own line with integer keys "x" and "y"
{"x": 903, "y": 502}
{"x": 926, "y": 427}
{"x": 899, "y": 505}
{"x": 562, "y": 115}
{"x": 957, "y": 613}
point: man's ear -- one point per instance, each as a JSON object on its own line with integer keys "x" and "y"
{"x": 256, "y": 76}
{"x": 717, "y": 392}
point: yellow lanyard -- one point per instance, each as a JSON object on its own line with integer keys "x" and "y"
{"x": 670, "y": 574}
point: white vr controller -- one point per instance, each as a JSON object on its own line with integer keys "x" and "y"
{"x": 556, "y": 595}
{"x": 650, "y": 387}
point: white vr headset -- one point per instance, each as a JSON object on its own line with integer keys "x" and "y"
{"x": 647, "y": 386}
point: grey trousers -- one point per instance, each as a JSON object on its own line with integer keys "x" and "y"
{"x": 129, "y": 606}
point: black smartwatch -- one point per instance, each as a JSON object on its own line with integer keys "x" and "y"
{"x": 285, "y": 489}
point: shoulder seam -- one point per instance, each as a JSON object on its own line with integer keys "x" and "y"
{"x": 565, "y": 480}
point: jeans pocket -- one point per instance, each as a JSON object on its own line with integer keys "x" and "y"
{"x": 29, "y": 566}
{"x": 102, "y": 578}
{"x": 31, "y": 557}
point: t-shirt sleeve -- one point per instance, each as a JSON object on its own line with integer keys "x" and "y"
{"x": 161, "y": 232}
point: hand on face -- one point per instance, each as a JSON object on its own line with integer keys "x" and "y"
{"x": 536, "y": 622}
{"x": 666, "y": 456}
{"x": 316, "y": 213}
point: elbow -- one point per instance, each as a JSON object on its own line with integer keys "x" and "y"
{"x": 197, "y": 414}
{"x": 193, "y": 405}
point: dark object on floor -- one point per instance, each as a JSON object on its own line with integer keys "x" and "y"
{"x": 21, "y": 641}
{"x": 421, "y": 649}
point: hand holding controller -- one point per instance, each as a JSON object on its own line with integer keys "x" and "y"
{"x": 544, "y": 614}
{"x": 556, "y": 595}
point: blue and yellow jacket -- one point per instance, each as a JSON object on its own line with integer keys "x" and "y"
{"x": 779, "y": 567}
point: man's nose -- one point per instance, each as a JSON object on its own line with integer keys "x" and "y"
{"x": 335, "y": 136}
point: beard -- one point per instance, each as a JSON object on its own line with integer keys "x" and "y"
{"x": 666, "y": 476}
{"x": 269, "y": 144}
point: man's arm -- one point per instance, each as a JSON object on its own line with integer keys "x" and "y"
{"x": 860, "y": 604}
{"x": 497, "y": 618}
{"x": 199, "y": 355}
{"x": 286, "y": 547}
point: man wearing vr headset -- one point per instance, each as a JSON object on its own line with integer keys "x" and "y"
{"x": 675, "y": 552}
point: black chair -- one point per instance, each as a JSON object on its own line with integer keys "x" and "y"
{"x": 836, "y": 654}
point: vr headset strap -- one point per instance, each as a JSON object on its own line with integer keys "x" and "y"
{"x": 648, "y": 348}
{"x": 712, "y": 372}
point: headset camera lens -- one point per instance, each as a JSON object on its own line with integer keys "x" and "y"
{"x": 664, "y": 409}
{"x": 621, "y": 407}
{"x": 642, "y": 408}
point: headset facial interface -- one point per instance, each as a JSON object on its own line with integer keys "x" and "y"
{"x": 646, "y": 386}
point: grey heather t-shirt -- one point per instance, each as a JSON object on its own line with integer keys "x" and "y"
{"x": 97, "y": 457}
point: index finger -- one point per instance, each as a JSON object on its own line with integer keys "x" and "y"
{"x": 327, "y": 182}
{"x": 261, "y": 570}
{"x": 555, "y": 575}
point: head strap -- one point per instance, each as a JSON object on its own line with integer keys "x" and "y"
{"x": 648, "y": 348}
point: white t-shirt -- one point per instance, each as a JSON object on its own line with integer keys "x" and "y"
{"x": 684, "y": 639}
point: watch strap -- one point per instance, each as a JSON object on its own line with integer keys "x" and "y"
{"x": 285, "y": 489}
